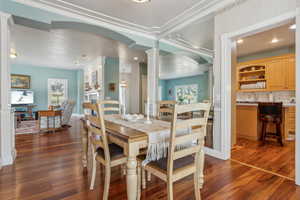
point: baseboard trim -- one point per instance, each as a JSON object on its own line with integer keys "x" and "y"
{"x": 214, "y": 153}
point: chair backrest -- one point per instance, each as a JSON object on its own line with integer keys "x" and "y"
{"x": 195, "y": 132}
{"x": 110, "y": 106}
{"x": 67, "y": 108}
{"x": 270, "y": 109}
{"x": 96, "y": 127}
{"x": 165, "y": 109}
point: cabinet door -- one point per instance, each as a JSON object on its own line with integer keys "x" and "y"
{"x": 291, "y": 81}
{"x": 276, "y": 75}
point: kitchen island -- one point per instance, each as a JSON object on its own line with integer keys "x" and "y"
{"x": 249, "y": 126}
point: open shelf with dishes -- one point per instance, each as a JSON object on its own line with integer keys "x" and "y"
{"x": 252, "y": 77}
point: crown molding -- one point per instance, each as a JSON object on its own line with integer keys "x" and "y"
{"x": 92, "y": 17}
{"x": 202, "y": 10}
{"x": 209, "y": 54}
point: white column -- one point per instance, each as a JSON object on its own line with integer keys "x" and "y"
{"x": 7, "y": 146}
{"x": 152, "y": 75}
{"x": 210, "y": 82}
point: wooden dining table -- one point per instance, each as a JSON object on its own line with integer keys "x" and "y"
{"x": 132, "y": 142}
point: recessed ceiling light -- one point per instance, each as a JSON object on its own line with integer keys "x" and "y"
{"x": 293, "y": 27}
{"x": 13, "y": 54}
{"x": 240, "y": 41}
{"x": 135, "y": 58}
{"x": 141, "y": 1}
{"x": 275, "y": 40}
{"x": 196, "y": 47}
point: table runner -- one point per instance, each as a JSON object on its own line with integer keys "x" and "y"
{"x": 158, "y": 135}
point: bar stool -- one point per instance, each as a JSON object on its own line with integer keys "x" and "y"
{"x": 271, "y": 113}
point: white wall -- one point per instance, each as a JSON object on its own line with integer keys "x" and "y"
{"x": 245, "y": 14}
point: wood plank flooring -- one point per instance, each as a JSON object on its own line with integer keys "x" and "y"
{"x": 48, "y": 167}
{"x": 271, "y": 157}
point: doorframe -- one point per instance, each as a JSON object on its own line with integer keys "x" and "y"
{"x": 226, "y": 103}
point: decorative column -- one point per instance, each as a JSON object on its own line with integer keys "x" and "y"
{"x": 153, "y": 77}
{"x": 7, "y": 137}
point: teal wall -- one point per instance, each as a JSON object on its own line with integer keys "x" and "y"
{"x": 266, "y": 54}
{"x": 200, "y": 80}
{"x": 111, "y": 75}
{"x": 39, "y": 83}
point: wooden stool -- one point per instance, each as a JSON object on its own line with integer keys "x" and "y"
{"x": 271, "y": 113}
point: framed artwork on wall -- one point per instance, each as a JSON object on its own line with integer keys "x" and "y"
{"x": 57, "y": 91}
{"x": 186, "y": 94}
{"x": 19, "y": 81}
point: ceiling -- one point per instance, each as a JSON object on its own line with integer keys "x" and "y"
{"x": 64, "y": 48}
{"x": 261, "y": 42}
{"x": 151, "y": 14}
{"x": 178, "y": 66}
{"x": 197, "y": 35}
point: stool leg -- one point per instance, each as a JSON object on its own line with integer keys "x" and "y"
{"x": 279, "y": 135}
{"x": 263, "y": 133}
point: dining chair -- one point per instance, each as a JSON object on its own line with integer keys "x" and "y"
{"x": 164, "y": 110}
{"x": 110, "y": 106}
{"x": 107, "y": 154}
{"x": 185, "y": 152}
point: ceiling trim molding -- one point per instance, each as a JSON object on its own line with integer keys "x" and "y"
{"x": 89, "y": 18}
{"x": 202, "y": 9}
{"x": 208, "y": 54}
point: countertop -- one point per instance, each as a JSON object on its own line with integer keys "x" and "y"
{"x": 256, "y": 104}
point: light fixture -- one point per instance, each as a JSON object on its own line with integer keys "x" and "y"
{"x": 274, "y": 40}
{"x": 141, "y": 1}
{"x": 240, "y": 41}
{"x": 135, "y": 58}
{"x": 196, "y": 47}
{"x": 13, "y": 54}
{"x": 293, "y": 27}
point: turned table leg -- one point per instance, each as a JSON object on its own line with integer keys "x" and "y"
{"x": 132, "y": 183}
{"x": 84, "y": 139}
{"x": 201, "y": 164}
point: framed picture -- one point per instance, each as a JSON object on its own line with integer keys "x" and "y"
{"x": 94, "y": 78}
{"x": 19, "y": 81}
{"x": 186, "y": 94}
{"x": 57, "y": 91}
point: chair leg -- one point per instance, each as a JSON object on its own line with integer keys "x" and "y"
{"x": 170, "y": 190}
{"x": 148, "y": 176}
{"x": 94, "y": 168}
{"x": 107, "y": 182}
{"x": 263, "y": 133}
{"x": 197, "y": 186}
{"x": 123, "y": 168}
{"x": 143, "y": 178}
{"x": 139, "y": 180}
{"x": 278, "y": 131}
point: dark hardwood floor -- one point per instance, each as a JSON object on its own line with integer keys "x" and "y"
{"x": 48, "y": 167}
{"x": 271, "y": 156}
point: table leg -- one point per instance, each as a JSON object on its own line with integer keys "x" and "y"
{"x": 201, "y": 164}
{"x": 132, "y": 173}
{"x": 84, "y": 140}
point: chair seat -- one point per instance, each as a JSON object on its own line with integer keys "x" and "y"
{"x": 163, "y": 163}
{"x": 114, "y": 150}
{"x": 271, "y": 119}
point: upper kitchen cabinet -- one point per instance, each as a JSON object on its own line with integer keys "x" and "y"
{"x": 291, "y": 73}
{"x": 277, "y": 74}
{"x": 269, "y": 74}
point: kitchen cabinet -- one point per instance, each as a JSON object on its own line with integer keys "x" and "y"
{"x": 291, "y": 74}
{"x": 247, "y": 122}
{"x": 269, "y": 74}
{"x": 249, "y": 127}
{"x": 276, "y": 75}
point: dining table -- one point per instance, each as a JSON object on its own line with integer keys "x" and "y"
{"x": 132, "y": 141}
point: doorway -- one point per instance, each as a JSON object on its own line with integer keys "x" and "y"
{"x": 229, "y": 60}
